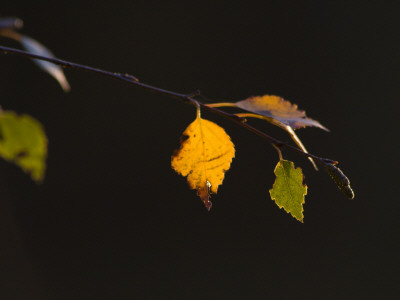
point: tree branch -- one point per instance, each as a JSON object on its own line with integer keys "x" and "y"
{"x": 187, "y": 98}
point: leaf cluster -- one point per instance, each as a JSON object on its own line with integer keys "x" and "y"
{"x": 206, "y": 150}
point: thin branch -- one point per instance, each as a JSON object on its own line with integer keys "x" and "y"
{"x": 67, "y": 64}
{"x": 187, "y": 98}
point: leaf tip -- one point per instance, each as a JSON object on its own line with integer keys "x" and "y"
{"x": 204, "y": 194}
{"x": 62, "y": 80}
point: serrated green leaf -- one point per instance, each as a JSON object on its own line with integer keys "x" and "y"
{"x": 23, "y": 142}
{"x": 288, "y": 190}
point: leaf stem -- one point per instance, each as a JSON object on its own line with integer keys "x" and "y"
{"x": 187, "y": 98}
{"x": 222, "y": 104}
{"x": 279, "y": 152}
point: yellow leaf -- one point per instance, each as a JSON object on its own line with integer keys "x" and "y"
{"x": 205, "y": 155}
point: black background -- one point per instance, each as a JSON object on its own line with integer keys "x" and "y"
{"x": 112, "y": 220}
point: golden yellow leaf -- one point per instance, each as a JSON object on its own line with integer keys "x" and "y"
{"x": 205, "y": 155}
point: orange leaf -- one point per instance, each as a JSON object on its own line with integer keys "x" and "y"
{"x": 278, "y": 109}
{"x": 205, "y": 155}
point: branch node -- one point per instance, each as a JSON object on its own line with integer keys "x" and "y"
{"x": 239, "y": 118}
{"x": 129, "y": 76}
{"x": 329, "y": 161}
{"x": 194, "y": 94}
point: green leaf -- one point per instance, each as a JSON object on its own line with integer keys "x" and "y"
{"x": 288, "y": 190}
{"x": 23, "y": 142}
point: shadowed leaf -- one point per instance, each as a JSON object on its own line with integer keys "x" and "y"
{"x": 205, "y": 155}
{"x": 23, "y": 142}
{"x": 288, "y": 190}
{"x": 35, "y": 47}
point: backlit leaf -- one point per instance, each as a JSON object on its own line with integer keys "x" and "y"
{"x": 205, "y": 155}
{"x": 277, "y": 110}
{"x": 23, "y": 142}
{"x": 288, "y": 190}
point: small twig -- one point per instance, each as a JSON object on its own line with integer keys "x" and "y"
{"x": 187, "y": 98}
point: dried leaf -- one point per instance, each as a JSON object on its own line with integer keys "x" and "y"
{"x": 288, "y": 190}
{"x": 205, "y": 155}
{"x": 23, "y": 142}
{"x": 278, "y": 111}
{"x": 35, "y": 47}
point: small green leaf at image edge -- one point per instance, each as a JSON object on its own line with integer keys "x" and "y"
{"x": 23, "y": 142}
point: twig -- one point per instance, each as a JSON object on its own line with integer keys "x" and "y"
{"x": 187, "y": 98}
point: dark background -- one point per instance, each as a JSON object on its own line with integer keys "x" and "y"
{"x": 112, "y": 220}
